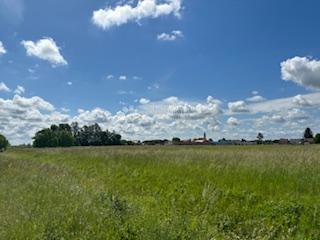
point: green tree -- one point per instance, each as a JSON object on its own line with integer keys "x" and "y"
{"x": 45, "y": 138}
{"x": 116, "y": 138}
{"x": 54, "y": 128}
{"x": 94, "y": 136}
{"x": 176, "y": 139}
{"x": 4, "y": 143}
{"x": 65, "y": 127}
{"x": 317, "y": 138}
{"x": 64, "y": 135}
{"x": 75, "y": 130}
{"x": 65, "y": 139}
{"x": 260, "y": 137}
{"x": 55, "y": 136}
{"x": 308, "y": 133}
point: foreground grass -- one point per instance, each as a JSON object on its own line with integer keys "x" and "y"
{"x": 260, "y": 192}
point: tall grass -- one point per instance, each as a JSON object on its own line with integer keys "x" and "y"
{"x": 258, "y": 192}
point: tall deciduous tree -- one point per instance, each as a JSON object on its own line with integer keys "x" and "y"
{"x": 46, "y": 138}
{"x": 308, "y": 133}
{"x": 4, "y": 143}
{"x": 317, "y": 138}
{"x": 260, "y": 137}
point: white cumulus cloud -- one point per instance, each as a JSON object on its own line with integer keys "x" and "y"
{"x": 233, "y": 121}
{"x": 2, "y": 49}
{"x": 35, "y": 102}
{"x": 256, "y": 98}
{"x": 109, "y": 17}
{"x": 303, "y": 71}
{"x": 19, "y": 90}
{"x": 283, "y": 104}
{"x": 301, "y": 101}
{"x": 110, "y": 76}
{"x": 4, "y": 88}
{"x": 45, "y": 49}
{"x": 238, "y": 107}
{"x": 144, "y": 101}
{"x": 123, "y": 78}
{"x": 172, "y": 36}
{"x": 21, "y": 117}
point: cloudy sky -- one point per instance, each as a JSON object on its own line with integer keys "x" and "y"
{"x": 161, "y": 68}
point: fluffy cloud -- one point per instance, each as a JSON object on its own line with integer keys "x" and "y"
{"x": 189, "y": 111}
{"x": 4, "y": 88}
{"x": 297, "y": 114}
{"x": 21, "y": 117}
{"x": 268, "y": 120}
{"x": 144, "y": 101}
{"x": 97, "y": 115}
{"x": 233, "y": 121}
{"x": 277, "y": 118}
{"x": 110, "y": 76}
{"x": 173, "y": 108}
{"x": 130, "y": 124}
{"x": 164, "y": 118}
{"x": 280, "y": 117}
{"x": 2, "y": 49}
{"x": 301, "y": 101}
{"x": 134, "y": 119}
{"x": 283, "y": 104}
{"x": 238, "y": 107}
{"x": 303, "y": 71}
{"x": 256, "y": 98}
{"x": 109, "y": 17}
{"x": 174, "y": 35}
{"x": 34, "y": 102}
{"x": 292, "y": 113}
{"x": 45, "y": 49}
{"x": 19, "y": 90}
{"x": 123, "y": 78}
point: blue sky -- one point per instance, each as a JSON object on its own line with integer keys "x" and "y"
{"x": 157, "y": 68}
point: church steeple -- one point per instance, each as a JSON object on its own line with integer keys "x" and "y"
{"x": 204, "y": 136}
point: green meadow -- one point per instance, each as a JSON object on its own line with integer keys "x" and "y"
{"x": 209, "y": 192}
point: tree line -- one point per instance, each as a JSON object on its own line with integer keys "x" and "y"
{"x": 65, "y": 135}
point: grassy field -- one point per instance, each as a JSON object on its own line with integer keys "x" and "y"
{"x": 258, "y": 192}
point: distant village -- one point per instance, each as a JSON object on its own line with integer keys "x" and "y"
{"x": 307, "y": 139}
